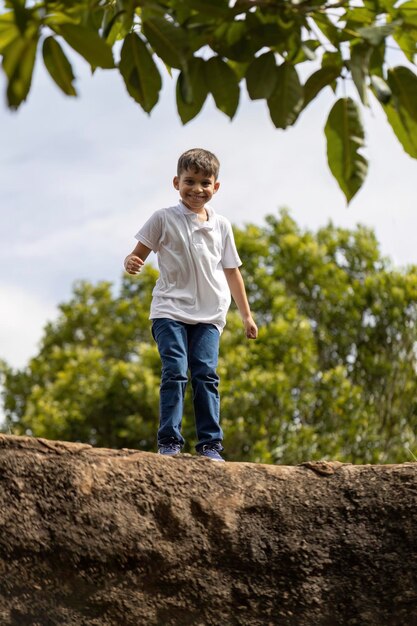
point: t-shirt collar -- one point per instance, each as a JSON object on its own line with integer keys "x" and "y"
{"x": 190, "y": 213}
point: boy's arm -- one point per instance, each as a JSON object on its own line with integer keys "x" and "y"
{"x": 134, "y": 261}
{"x": 237, "y": 288}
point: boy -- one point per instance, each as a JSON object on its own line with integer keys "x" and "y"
{"x": 198, "y": 264}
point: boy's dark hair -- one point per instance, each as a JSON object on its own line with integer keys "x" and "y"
{"x": 198, "y": 160}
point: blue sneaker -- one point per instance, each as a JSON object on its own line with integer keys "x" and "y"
{"x": 211, "y": 451}
{"x": 169, "y": 449}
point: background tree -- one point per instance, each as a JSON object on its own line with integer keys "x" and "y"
{"x": 96, "y": 375}
{"x": 332, "y": 374}
{"x": 216, "y": 47}
{"x": 361, "y": 314}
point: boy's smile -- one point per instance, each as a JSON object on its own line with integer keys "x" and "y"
{"x": 196, "y": 189}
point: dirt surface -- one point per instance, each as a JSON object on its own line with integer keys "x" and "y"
{"x": 126, "y": 538}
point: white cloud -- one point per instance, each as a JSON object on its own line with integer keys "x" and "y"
{"x": 22, "y": 317}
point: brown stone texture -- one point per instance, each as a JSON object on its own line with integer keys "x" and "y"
{"x": 121, "y": 537}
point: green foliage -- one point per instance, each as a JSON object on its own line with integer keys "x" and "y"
{"x": 345, "y": 137}
{"x": 286, "y": 100}
{"x": 401, "y": 109}
{"x": 217, "y": 48}
{"x": 87, "y": 43}
{"x": 355, "y": 397}
{"x": 223, "y": 84}
{"x": 18, "y": 62}
{"x": 139, "y": 72}
{"x": 261, "y": 76}
{"x": 192, "y": 90}
{"x": 332, "y": 374}
{"x": 94, "y": 363}
{"x": 58, "y": 66}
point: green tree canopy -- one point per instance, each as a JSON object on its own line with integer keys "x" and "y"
{"x": 332, "y": 374}
{"x": 217, "y": 47}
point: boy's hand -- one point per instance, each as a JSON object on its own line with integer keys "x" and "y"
{"x": 251, "y": 328}
{"x": 133, "y": 264}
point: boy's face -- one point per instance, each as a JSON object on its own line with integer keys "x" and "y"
{"x": 196, "y": 189}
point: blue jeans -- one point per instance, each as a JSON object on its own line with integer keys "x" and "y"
{"x": 195, "y": 347}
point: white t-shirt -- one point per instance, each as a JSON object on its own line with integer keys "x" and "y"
{"x": 192, "y": 286}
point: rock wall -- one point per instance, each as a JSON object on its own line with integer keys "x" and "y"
{"x": 103, "y": 537}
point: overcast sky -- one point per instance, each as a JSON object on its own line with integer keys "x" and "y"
{"x": 78, "y": 177}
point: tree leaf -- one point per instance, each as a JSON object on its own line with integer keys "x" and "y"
{"x": 191, "y": 90}
{"x": 215, "y": 8}
{"x": 327, "y": 27}
{"x": 345, "y": 137}
{"x": 376, "y": 34}
{"x": 111, "y": 24}
{"x": 359, "y": 63}
{"x": 58, "y": 66}
{"x": 401, "y": 111}
{"x": 406, "y": 34}
{"x": 18, "y": 62}
{"x": 236, "y": 32}
{"x": 287, "y": 99}
{"x": 87, "y": 43}
{"x": 8, "y": 30}
{"x": 238, "y": 68}
{"x": 57, "y": 18}
{"x": 386, "y": 5}
{"x": 317, "y": 81}
{"x": 305, "y": 52}
{"x": 403, "y": 83}
{"x": 233, "y": 41}
{"x": 261, "y": 77}
{"x": 377, "y": 60}
{"x": 381, "y": 89}
{"x": 222, "y": 83}
{"x": 407, "y": 40}
{"x": 333, "y": 59}
{"x": 141, "y": 76}
{"x": 356, "y": 16}
{"x": 168, "y": 41}
{"x": 21, "y": 14}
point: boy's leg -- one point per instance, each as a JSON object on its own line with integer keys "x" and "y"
{"x": 171, "y": 339}
{"x": 203, "y": 354}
